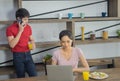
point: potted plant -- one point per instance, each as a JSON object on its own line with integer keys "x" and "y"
{"x": 47, "y": 59}
{"x": 118, "y": 33}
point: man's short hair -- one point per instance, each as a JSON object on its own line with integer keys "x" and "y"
{"x": 22, "y": 12}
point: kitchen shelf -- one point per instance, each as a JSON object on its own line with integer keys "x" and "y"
{"x": 6, "y": 22}
{"x": 38, "y": 45}
{"x": 66, "y": 20}
{"x": 100, "y": 61}
{"x": 113, "y": 15}
{"x": 70, "y": 25}
{"x": 47, "y": 44}
{"x": 109, "y": 40}
{"x": 4, "y": 47}
{"x": 73, "y": 20}
{"x": 56, "y": 43}
{"x": 97, "y": 19}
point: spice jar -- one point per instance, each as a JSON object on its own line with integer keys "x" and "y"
{"x": 105, "y": 35}
{"x": 92, "y": 35}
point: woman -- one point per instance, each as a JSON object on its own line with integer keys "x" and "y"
{"x": 69, "y": 55}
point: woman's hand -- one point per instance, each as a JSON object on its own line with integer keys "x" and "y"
{"x": 80, "y": 69}
{"x": 74, "y": 70}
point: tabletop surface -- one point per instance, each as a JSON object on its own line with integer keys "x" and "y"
{"x": 114, "y": 75}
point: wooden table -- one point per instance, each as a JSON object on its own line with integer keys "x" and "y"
{"x": 114, "y": 75}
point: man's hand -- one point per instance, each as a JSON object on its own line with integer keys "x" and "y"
{"x": 21, "y": 27}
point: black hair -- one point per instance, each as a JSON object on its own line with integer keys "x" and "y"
{"x": 22, "y": 12}
{"x": 65, "y": 33}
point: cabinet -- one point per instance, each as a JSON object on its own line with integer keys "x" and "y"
{"x": 70, "y": 25}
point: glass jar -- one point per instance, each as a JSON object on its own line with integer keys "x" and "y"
{"x": 92, "y": 35}
{"x": 105, "y": 35}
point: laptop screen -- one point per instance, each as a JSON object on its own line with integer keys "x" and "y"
{"x": 59, "y": 73}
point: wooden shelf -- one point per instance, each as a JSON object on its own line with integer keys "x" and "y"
{"x": 97, "y": 19}
{"x": 73, "y": 20}
{"x": 38, "y": 45}
{"x": 110, "y": 40}
{"x": 6, "y": 22}
{"x": 71, "y": 26}
{"x": 4, "y": 47}
{"x": 65, "y": 20}
{"x": 100, "y": 61}
{"x": 47, "y": 44}
{"x": 8, "y": 70}
{"x": 56, "y": 43}
{"x": 48, "y": 20}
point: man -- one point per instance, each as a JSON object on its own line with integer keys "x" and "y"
{"x": 19, "y": 34}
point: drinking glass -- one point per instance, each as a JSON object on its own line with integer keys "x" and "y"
{"x": 70, "y": 15}
{"x": 82, "y": 15}
{"x": 30, "y": 46}
{"x": 85, "y": 75}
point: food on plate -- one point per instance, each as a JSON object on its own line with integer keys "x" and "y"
{"x": 98, "y": 75}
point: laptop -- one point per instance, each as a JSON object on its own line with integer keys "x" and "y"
{"x": 59, "y": 73}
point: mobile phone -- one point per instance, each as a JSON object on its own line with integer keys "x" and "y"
{"x": 19, "y": 21}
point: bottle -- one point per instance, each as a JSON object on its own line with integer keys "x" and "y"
{"x": 82, "y": 33}
{"x": 105, "y": 35}
{"x": 92, "y": 35}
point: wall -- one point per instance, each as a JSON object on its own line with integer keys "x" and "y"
{"x": 7, "y": 10}
{"x": 40, "y": 7}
